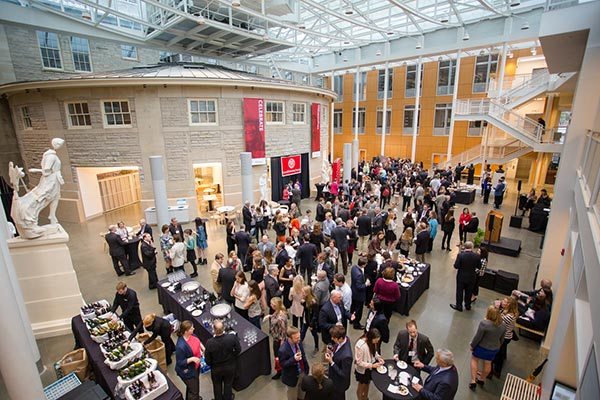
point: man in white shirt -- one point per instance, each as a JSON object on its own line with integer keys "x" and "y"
{"x": 339, "y": 281}
{"x": 328, "y": 225}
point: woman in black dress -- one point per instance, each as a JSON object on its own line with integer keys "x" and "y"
{"x": 230, "y": 233}
{"x": 286, "y": 276}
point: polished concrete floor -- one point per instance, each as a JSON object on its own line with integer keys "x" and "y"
{"x": 445, "y": 327}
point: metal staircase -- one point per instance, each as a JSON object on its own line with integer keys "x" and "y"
{"x": 523, "y": 88}
{"x": 496, "y": 153}
{"x": 275, "y": 72}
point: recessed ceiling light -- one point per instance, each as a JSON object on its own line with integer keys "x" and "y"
{"x": 466, "y": 35}
{"x": 349, "y": 11}
{"x": 525, "y": 26}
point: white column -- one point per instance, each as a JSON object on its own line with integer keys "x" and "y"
{"x": 413, "y": 153}
{"x": 356, "y": 104}
{"x": 385, "y": 99}
{"x": 246, "y": 167}
{"x": 501, "y": 71}
{"x": 160, "y": 190}
{"x": 17, "y": 363}
{"x": 332, "y": 119}
{"x": 347, "y": 161}
{"x": 355, "y": 152}
{"x": 454, "y": 97}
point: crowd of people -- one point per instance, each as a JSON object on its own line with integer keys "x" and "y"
{"x": 323, "y": 274}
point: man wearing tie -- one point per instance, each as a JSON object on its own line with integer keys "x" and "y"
{"x": 144, "y": 228}
{"x": 293, "y": 363}
{"x": 412, "y": 346}
{"x": 359, "y": 291}
{"x": 333, "y": 314}
{"x": 442, "y": 382}
{"x": 340, "y": 362}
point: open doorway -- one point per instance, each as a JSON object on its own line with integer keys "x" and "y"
{"x": 208, "y": 181}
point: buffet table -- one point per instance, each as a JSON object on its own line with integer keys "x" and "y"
{"x": 409, "y": 295}
{"x": 464, "y": 196}
{"x": 257, "y": 354}
{"x": 383, "y": 381}
{"x": 103, "y": 375}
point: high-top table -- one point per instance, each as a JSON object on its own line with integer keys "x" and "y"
{"x": 254, "y": 359}
{"x": 383, "y": 381}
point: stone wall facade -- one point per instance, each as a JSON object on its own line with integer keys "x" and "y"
{"x": 160, "y": 125}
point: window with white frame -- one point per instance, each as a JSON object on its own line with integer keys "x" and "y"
{"x": 26, "y": 118}
{"x": 337, "y": 121}
{"x": 388, "y": 121}
{"x": 409, "y": 118}
{"x": 116, "y": 113}
{"x": 203, "y": 112}
{"x": 411, "y": 80}
{"x": 361, "y": 119}
{"x": 274, "y": 112}
{"x": 446, "y": 77}
{"x": 381, "y": 83}
{"x": 485, "y": 66}
{"x": 476, "y": 128}
{"x": 78, "y": 115}
{"x": 129, "y": 52}
{"x": 298, "y": 113}
{"x": 362, "y": 86}
{"x": 80, "y": 48}
{"x": 338, "y": 87}
{"x": 441, "y": 123}
{"x": 49, "y": 50}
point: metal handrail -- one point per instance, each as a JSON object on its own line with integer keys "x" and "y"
{"x": 541, "y": 79}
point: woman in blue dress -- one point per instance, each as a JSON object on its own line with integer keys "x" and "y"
{"x": 201, "y": 240}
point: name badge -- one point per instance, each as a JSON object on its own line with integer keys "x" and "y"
{"x": 411, "y": 353}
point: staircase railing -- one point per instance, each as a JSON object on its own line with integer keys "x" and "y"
{"x": 540, "y": 80}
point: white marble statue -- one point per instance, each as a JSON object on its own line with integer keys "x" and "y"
{"x": 26, "y": 209}
{"x": 326, "y": 171}
{"x": 263, "y": 183}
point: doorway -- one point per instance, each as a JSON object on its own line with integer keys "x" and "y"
{"x": 208, "y": 183}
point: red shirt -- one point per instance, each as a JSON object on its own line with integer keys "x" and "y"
{"x": 387, "y": 291}
{"x": 464, "y": 219}
{"x": 196, "y": 347}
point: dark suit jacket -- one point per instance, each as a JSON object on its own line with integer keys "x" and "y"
{"x": 344, "y": 214}
{"x": 289, "y": 366}
{"x": 176, "y": 230}
{"x": 472, "y": 225}
{"x": 246, "y": 217}
{"x": 425, "y": 350}
{"x": 328, "y": 319}
{"x": 441, "y": 386}
{"x": 340, "y": 235}
{"x": 364, "y": 225}
{"x": 422, "y": 242}
{"x": 320, "y": 214}
{"x": 380, "y": 322}
{"x": 341, "y": 369}
{"x": 242, "y": 239}
{"x": 144, "y": 229}
{"x": 116, "y": 245}
{"x": 466, "y": 263}
{"x": 311, "y": 388}
{"x": 305, "y": 255}
{"x": 359, "y": 289}
{"x": 272, "y": 288}
{"x": 281, "y": 258}
{"x": 226, "y": 278}
{"x": 148, "y": 256}
{"x": 160, "y": 327}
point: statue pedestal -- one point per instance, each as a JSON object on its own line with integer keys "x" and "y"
{"x": 48, "y": 282}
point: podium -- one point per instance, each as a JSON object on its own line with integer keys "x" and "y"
{"x": 493, "y": 226}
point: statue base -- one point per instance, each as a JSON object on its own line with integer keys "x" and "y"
{"x": 48, "y": 282}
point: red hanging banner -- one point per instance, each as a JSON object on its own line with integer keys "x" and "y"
{"x": 291, "y": 165}
{"x": 254, "y": 129}
{"x": 315, "y": 131}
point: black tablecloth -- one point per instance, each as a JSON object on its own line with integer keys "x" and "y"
{"x": 410, "y": 295}
{"x": 319, "y": 187}
{"x": 253, "y": 361}
{"x": 132, "y": 252}
{"x": 464, "y": 196}
{"x": 103, "y": 375}
{"x": 382, "y": 381}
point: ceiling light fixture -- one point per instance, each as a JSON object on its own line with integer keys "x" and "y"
{"x": 235, "y": 3}
{"x": 525, "y": 26}
{"x": 345, "y": 59}
{"x": 301, "y": 25}
{"x": 349, "y": 11}
{"x": 514, "y": 3}
{"x": 444, "y": 19}
{"x": 378, "y": 53}
{"x": 466, "y": 36}
{"x": 346, "y": 42}
{"x": 482, "y": 52}
{"x": 391, "y": 33}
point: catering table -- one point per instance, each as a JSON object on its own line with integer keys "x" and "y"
{"x": 464, "y": 196}
{"x": 409, "y": 295}
{"x": 254, "y": 359}
{"x": 382, "y": 382}
{"x": 103, "y": 375}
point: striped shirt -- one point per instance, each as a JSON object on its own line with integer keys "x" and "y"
{"x": 509, "y": 322}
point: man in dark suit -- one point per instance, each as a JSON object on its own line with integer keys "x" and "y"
{"x": 340, "y": 362}
{"x": 272, "y": 287}
{"x": 175, "y": 228}
{"x": 149, "y": 260}
{"x": 377, "y": 320}
{"x": 363, "y": 222}
{"x": 221, "y": 355}
{"x": 320, "y": 214}
{"x": 466, "y": 264}
{"x": 247, "y": 216}
{"x": 116, "y": 249}
{"x": 324, "y": 263}
{"x": 306, "y": 255}
{"x": 378, "y": 221}
{"x": 242, "y": 240}
{"x": 332, "y": 314}
{"x": 359, "y": 291}
{"x": 226, "y": 278}
{"x": 422, "y": 243}
{"x": 144, "y": 228}
{"x": 412, "y": 346}
{"x": 130, "y": 306}
{"x": 293, "y": 362}
{"x": 281, "y": 255}
{"x": 442, "y": 382}
{"x": 340, "y": 234}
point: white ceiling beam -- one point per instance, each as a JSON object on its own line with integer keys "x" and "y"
{"x": 419, "y": 14}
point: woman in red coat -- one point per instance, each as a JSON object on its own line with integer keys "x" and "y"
{"x": 463, "y": 221}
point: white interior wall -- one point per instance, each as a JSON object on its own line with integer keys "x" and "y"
{"x": 89, "y": 189}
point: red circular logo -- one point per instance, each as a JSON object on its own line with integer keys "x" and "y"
{"x": 291, "y": 163}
